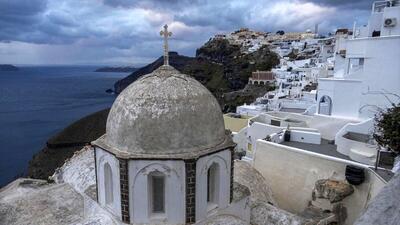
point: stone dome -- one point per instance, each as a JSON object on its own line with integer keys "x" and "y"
{"x": 165, "y": 113}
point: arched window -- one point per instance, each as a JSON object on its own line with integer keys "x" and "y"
{"x": 255, "y": 82}
{"x": 325, "y": 105}
{"x": 108, "y": 185}
{"x": 212, "y": 186}
{"x": 157, "y": 192}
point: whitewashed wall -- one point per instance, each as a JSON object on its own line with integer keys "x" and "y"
{"x": 345, "y": 95}
{"x": 382, "y": 73}
{"x": 391, "y": 12}
{"x": 358, "y": 151}
{"x": 305, "y": 136}
{"x": 139, "y": 203}
{"x": 223, "y": 159}
{"x": 294, "y": 173}
{"x": 103, "y": 157}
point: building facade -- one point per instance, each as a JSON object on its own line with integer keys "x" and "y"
{"x": 262, "y": 78}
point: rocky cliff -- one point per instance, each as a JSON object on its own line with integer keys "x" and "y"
{"x": 119, "y": 69}
{"x": 219, "y": 66}
{"x": 63, "y": 145}
{"x": 8, "y": 67}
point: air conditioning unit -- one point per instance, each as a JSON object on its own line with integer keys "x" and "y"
{"x": 390, "y": 22}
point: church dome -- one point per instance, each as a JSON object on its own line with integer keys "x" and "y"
{"x": 165, "y": 113}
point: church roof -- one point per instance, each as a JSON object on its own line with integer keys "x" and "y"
{"x": 165, "y": 114}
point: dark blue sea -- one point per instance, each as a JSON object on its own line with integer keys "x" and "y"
{"x": 37, "y": 102}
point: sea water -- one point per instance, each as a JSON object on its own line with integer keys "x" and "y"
{"x": 37, "y": 102}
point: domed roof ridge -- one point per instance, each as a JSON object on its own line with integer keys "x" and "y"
{"x": 165, "y": 114}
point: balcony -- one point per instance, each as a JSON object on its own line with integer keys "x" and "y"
{"x": 379, "y": 6}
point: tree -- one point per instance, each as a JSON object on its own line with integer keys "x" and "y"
{"x": 387, "y": 128}
{"x": 280, "y": 32}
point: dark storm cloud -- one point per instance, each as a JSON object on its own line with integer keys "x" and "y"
{"x": 154, "y": 4}
{"x": 351, "y": 4}
{"x": 220, "y": 15}
{"x": 122, "y": 30}
{"x": 29, "y": 21}
{"x": 21, "y": 11}
{"x": 18, "y": 17}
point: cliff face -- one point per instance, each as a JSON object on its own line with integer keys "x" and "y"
{"x": 120, "y": 69}
{"x": 219, "y": 66}
{"x": 63, "y": 145}
{"x": 8, "y": 67}
{"x": 177, "y": 61}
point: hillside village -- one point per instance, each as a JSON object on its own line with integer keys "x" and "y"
{"x": 296, "y": 144}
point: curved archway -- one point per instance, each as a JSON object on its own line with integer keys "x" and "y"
{"x": 108, "y": 185}
{"x": 213, "y": 182}
{"x": 325, "y": 105}
{"x": 157, "y": 192}
{"x": 255, "y": 82}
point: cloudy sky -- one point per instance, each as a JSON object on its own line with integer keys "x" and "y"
{"x": 122, "y": 32}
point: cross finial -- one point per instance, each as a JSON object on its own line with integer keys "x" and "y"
{"x": 166, "y": 34}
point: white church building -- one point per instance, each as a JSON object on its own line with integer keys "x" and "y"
{"x": 166, "y": 157}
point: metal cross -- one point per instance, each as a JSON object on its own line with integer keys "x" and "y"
{"x": 166, "y": 34}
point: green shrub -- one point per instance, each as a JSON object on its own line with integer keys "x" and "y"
{"x": 387, "y": 128}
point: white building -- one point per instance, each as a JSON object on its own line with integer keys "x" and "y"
{"x": 371, "y": 68}
{"x": 166, "y": 157}
{"x": 365, "y": 81}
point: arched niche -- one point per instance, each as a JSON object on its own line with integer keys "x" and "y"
{"x": 108, "y": 181}
{"x": 108, "y": 185}
{"x": 325, "y": 105}
{"x": 212, "y": 183}
{"x": 144, "y": 175}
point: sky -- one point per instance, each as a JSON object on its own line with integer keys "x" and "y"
{"x": 126, "y": 32}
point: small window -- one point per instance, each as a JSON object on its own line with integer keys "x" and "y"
{"x": 108, "y": 184}
{"x": 276, "y": 123}
{"x": 157, "y": 187}
{"x": 212, "y": 186}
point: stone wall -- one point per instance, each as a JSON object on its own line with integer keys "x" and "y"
{"x": 124, "y": 182}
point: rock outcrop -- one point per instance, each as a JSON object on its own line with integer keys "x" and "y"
{"x": 118, "y": 69}
{"x": 219, "y": 66}
{"x": 63, "y": 145}
{"x": 8, "y": 67}
{"x": 225, "y": 220}
{"x": 333, "y": 190}
{"x": 28, "y": 201}
{"x": 266, "y": 214}
{"x": 246, "y": 175}
{"x": 326, "y": 206}
{"x": 264, "y": 209}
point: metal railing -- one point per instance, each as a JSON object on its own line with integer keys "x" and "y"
{"x": 378, "y": 6}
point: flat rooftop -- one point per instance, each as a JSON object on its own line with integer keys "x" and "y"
{"x": 384, "y": 173}
{"x": 326, "y": 148}
{"x": 235, "y": 124}
{"x": 292, "y": 110}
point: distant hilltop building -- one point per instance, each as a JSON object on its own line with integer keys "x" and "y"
{"x": 251, "y": 41}
{"x": 262, "y": 78}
